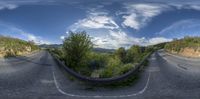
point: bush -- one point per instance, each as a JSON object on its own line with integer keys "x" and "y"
{"x": 58, "y": 52}
{"x": 121, "y": 53}
{"x": 98, "y": 60}
{"x": 112, "y": 68}
{"x": 133, "y": 54}
{"x": 126, "y": 67}
{"x": 115, "y": 68}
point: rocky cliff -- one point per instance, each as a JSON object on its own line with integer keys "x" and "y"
{"x": 188, "y": 52}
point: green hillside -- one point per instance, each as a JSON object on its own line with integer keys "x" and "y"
{"x": 14, "y": 47}
{"x": 188, "y": 46}
{"x": 177, "y": 45}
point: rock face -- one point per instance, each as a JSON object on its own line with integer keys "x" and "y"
{"x": 15, "y": 47}
{"x": 11, "y": 52}
{"x": 188, "y": 52}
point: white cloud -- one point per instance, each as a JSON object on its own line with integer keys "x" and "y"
{"x": 131, "y": 21}
{"x": 36, "y": 39}
{"x": 185, "y": 5}
{"x": 12, "y": 4}
{"x": 157, "y": 40}
{"x": 116, "y": 39}
{"x": 138, "y": 15}
{"x": 4, "y": 5}
{"x": 62, "y": 37}
{"x": 110, "y": 35}
{"x": 99, "y": 22}
{"x": 95, "y": 20}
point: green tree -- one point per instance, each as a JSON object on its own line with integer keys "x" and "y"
{"x": 121, "y": 53}
{"x": 133, "y": 54}
{"x": 76, "y": 48}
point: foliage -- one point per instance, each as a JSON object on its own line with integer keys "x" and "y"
{"x": 177, "y": 45}
{"x": 112, "y": 68}
{"x": 58, "y": 52}
{"x": 159, "y": 46}
{"x": 126, "y": 67}
{"x": 98, "y": 60}
{"x": 121, "y": 53}
{"x": 76, "y": 48}
{"x": 79, "y": 55}
{"x": 133, "y": 54}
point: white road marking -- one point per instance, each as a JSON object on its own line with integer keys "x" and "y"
{"x": 47, "y": 81}
{"x": 154, "y": 69}
{"x": 152, "y": 58}
{"x": 101, "y": 96}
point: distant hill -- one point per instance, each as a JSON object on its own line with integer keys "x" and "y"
{"x": 103, "y": 50}
{"x": 13, "y": 47}
{"x": 100, "y": 50}
{"x": 50, "y": 46}
{"x": 188, "y": 46}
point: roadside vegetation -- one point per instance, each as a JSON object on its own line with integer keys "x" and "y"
{"x": 178, "y": 45}
{"x": 14, "y": 47}
{"x": 78, "y": 54}
{"x": 188, "y": 46}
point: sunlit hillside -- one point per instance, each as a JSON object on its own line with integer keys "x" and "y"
{"x": 14, "y": 47}
{"x": 188, "y": 46}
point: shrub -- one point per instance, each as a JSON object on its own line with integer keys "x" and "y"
{"x": 98, "y": 60}
{"x": 121, "y": 53}
{"x": 133, "y": 54}
{"x": 58, "y": 52}
{"x": 112, "y": 68}
{"x": 126, "y": 67}
{"x": 115, "y": 68}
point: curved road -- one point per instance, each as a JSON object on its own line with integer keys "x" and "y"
{"x": 37, "y": 76}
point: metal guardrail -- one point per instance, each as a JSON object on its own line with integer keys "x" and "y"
{"x": 132, "y": 72}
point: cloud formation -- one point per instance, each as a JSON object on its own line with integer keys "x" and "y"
{"x": 95, "y": 20}
{"x": 12, "y": 4}
{"x": 110, "y": 35}
{"x": 111, "y": 22}
{"x": 138, "y": 15}
{"x": 118, "y": 39}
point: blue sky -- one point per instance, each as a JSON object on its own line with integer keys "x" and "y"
{"x": 110, "y": 23}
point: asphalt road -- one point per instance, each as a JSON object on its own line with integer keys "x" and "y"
{"x": 37, "y": 76}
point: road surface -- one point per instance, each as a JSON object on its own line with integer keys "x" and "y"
{"x": 37, "y": 76}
